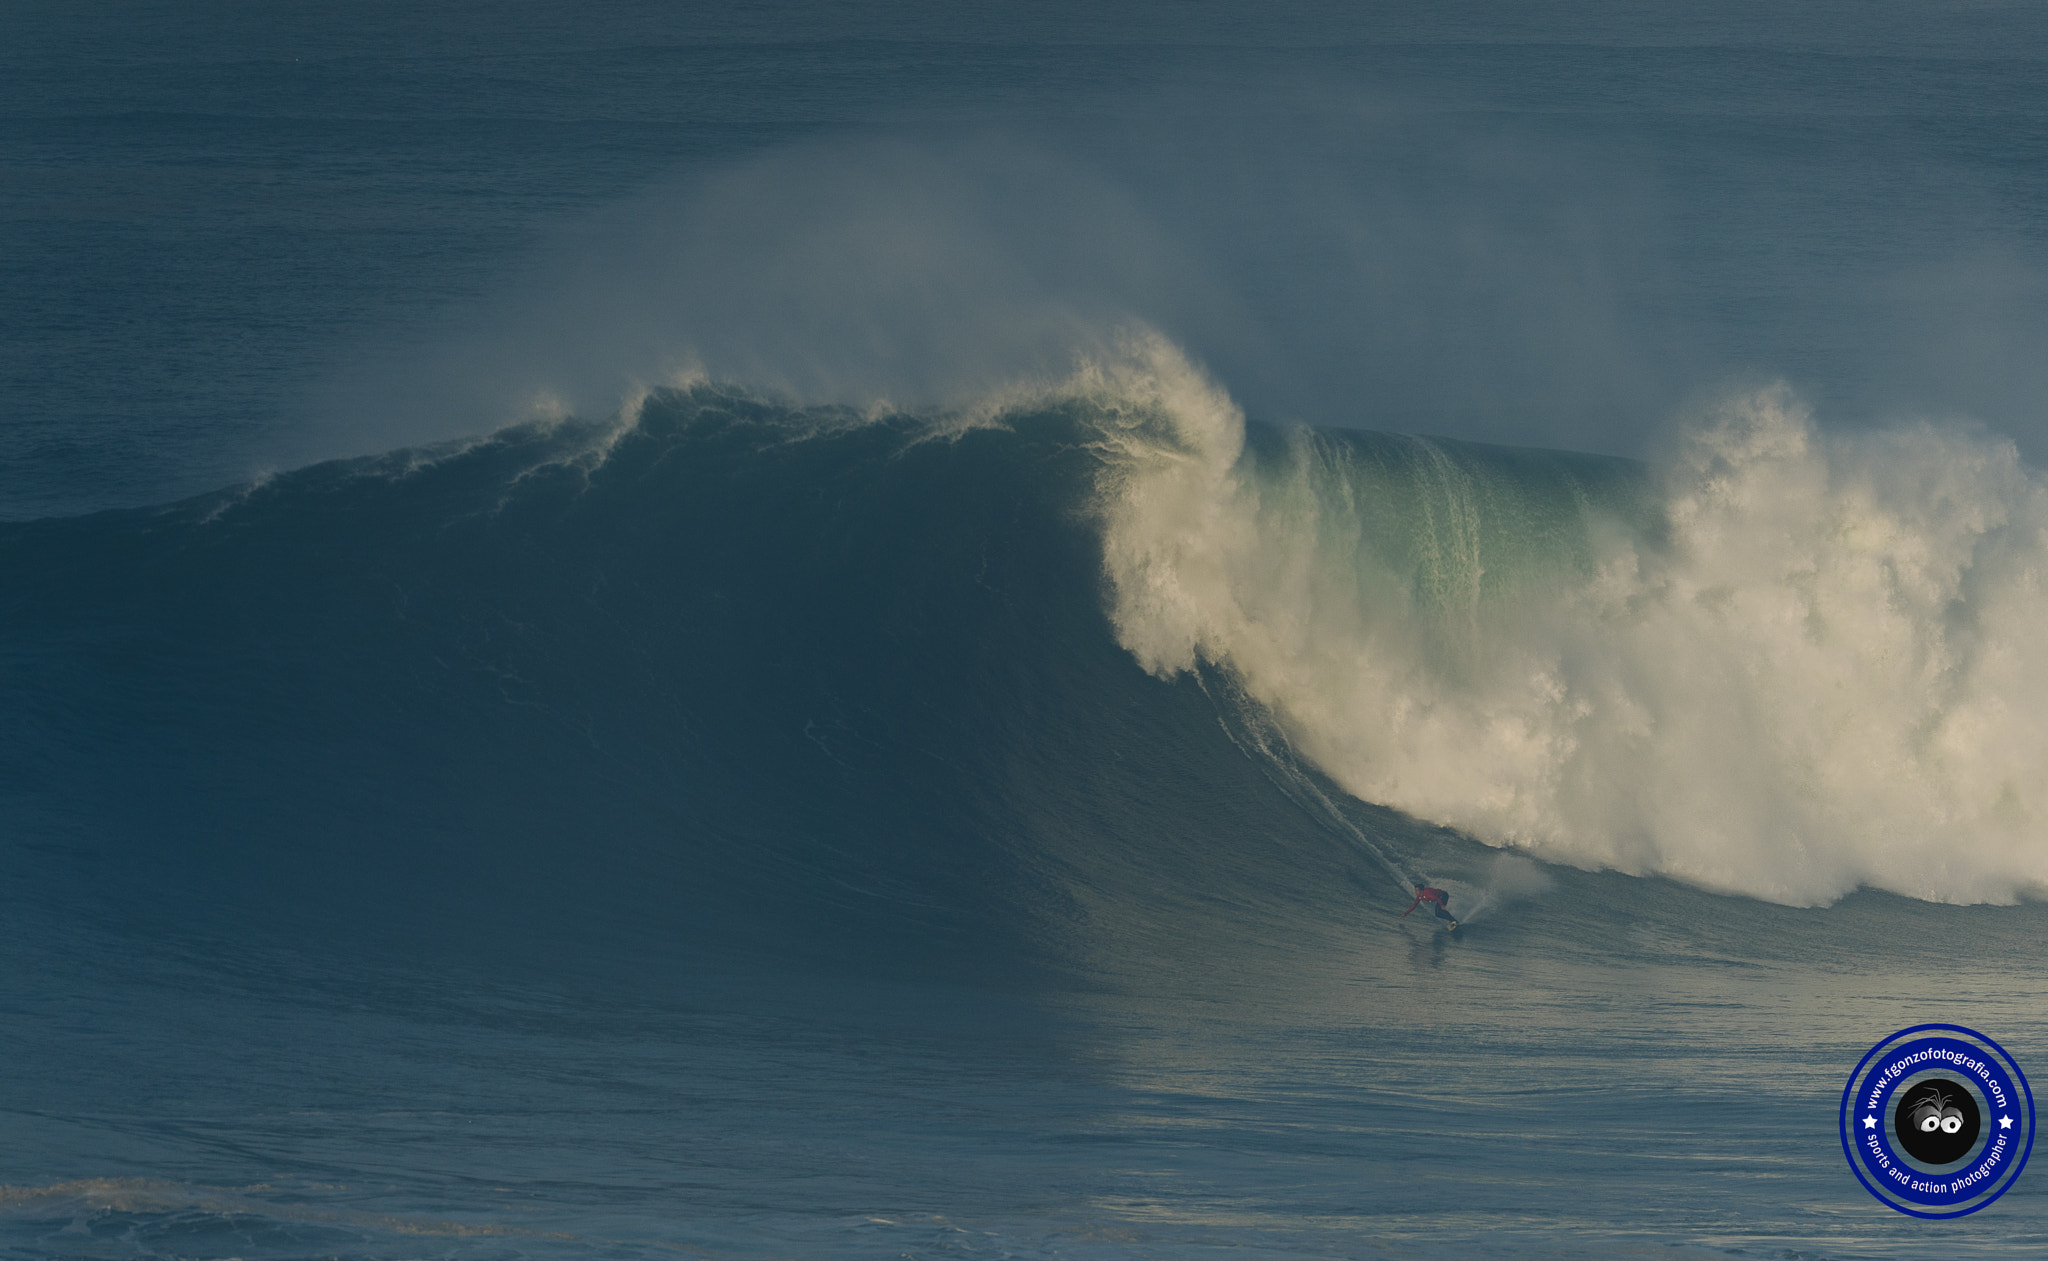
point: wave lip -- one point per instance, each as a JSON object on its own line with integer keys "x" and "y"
{"x": 1783, "y": 663}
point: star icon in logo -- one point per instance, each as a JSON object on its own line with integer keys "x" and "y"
{"x": 2005, "y": 1123}
{"x": 1869, "y": 1123}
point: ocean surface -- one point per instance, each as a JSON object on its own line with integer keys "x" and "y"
{"x": 634, "y": 630}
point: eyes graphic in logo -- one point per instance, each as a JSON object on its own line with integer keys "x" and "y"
{"x": 1935, "y": 1112}
{"x": 1936, "y": 1121}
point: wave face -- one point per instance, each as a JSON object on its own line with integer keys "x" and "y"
{"x": 739, "y": 672}
{"x": 1783, "y": 664}
{"x": 875, "y": 686}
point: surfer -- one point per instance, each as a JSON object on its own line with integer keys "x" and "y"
{"x": 1439, "y": 903}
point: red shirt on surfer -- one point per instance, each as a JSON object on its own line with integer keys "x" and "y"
{"x": 1439, "y": 903}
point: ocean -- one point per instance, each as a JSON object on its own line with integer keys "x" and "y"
{"x": 793, "y": 631}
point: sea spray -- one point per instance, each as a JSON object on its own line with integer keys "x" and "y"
{"x": 1784, "y": 662}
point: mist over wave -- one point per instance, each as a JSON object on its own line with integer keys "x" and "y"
{"x": 1778, "y": 662}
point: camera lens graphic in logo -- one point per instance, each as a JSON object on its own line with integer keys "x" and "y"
{"x": 1936, "y": 1121}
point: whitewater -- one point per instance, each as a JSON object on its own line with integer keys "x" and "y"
{"x": 1773, "y": 663}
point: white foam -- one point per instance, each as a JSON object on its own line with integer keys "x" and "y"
{"x": 1831, "y": 671}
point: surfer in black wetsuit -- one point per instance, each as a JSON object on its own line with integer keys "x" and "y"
{"x": 1439, "y": 903}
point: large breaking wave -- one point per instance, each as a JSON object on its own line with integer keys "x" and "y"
{"x": 878, "y": 682}
{"x": 1781, "y": 663}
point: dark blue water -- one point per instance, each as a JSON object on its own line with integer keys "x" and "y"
{"x": 810, "y": 723}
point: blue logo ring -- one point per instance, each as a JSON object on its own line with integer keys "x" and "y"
{"x": 1948, "y": 1076}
